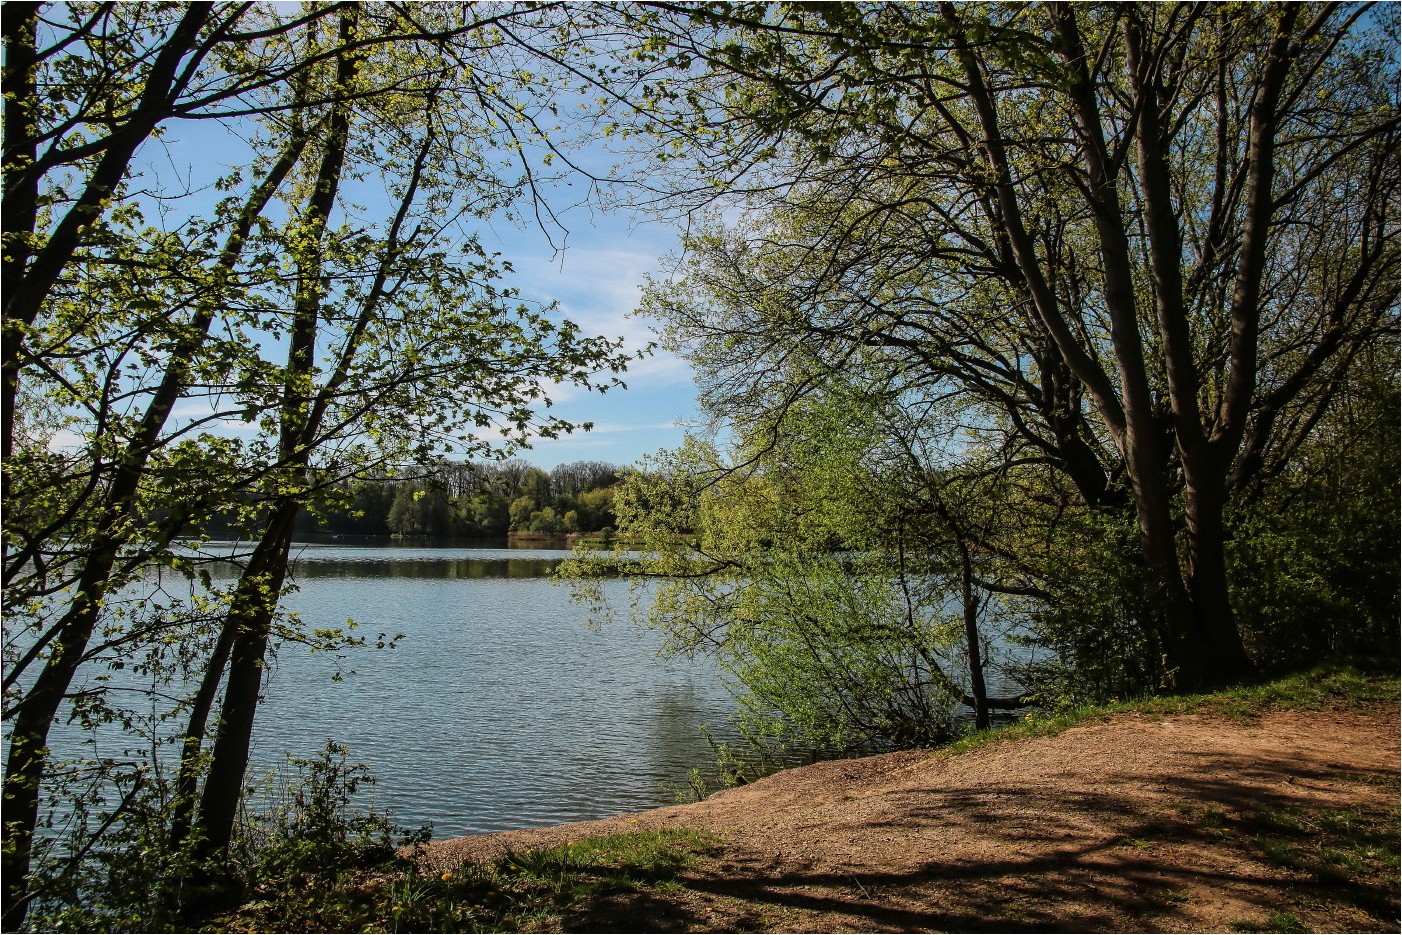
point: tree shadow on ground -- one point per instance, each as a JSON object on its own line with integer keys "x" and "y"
{"x": 1046, "y": 859}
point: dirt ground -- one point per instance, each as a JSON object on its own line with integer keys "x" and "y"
{"x": 1133, "y": 823}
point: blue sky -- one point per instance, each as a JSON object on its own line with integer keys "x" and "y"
{"x": 597, "y": 281}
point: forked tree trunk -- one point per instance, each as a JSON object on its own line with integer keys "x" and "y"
{"x": 249, "y": 623}
{"x": 259, "y": 589}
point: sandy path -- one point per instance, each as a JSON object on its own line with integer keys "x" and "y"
{"x": 1099, "y": 828}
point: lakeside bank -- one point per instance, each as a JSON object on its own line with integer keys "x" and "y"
{"x": 1280, "y": 821}
{"x": 1266, "y": 808}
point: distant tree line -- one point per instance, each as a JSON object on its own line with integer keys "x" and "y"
{"x": 469, "y": 500}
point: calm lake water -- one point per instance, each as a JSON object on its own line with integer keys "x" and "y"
{"x": 498, "y": 709}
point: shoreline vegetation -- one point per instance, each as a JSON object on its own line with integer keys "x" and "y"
{"x": 1231, "y": 811}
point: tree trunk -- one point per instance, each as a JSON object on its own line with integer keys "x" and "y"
{"x": 28, "y": 756}
{"x": 249, "y": 622}
{"x": 21, "y": 202}
{"x": 1208, "y": 591}
{"x": 27, "y": 290}
{"x": 256, "y": 598}
{"x": 25, "y": 764}
{"x": 978, "y": 689}
{"x": 35, "y": 713}
{"x": 196, "y": 726}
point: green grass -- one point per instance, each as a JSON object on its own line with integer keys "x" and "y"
{"x": 1328, "y": 844}
{"x": 1276, "y": 922}
{"x": 527, "y": 891}
{"x": 1328, "y": 687}
{"x": 1341, "y": 860}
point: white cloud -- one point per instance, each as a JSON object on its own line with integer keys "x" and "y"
{"x": 65, "y": 441}
{"x": 660, "y": 368}
{"x": 596, "y": 282}
{"x": 597, "y": 288}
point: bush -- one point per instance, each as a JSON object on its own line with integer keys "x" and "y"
{"x": 313, "y": 825}
{"x": 128, "y": 877}
{"x": 1315, "y": 557}
{"x": 830, "y": 657}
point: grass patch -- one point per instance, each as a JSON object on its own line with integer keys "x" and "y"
{"x": 1327, "y": 687}
{"x": 1276, "y": 922}
{"x": 1344, "y": 858}
{"x": 528, "y": 891}
{"x": 1322, "y": 688}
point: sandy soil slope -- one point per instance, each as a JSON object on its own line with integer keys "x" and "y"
{"x": 1132, "y": 823}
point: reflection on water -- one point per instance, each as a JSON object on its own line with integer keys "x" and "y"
{"x": 428, "y": 568}
{"x": 398, "y": 561}
{"x": 314, "y": 561}
{"x": 498, "y": 709}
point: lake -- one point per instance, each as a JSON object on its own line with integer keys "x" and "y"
{"x": 498, "y": 709}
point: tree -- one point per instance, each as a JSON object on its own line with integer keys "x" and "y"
{"x": 362, "y": 509}
{"x": 489, "y": 512}
{"x": 520, "y": 514}
{"x": 282, "y": 309}
{"x": 420, "y": 511}
{"x": 544, "y": 520}
{"x": 595, "y": 508}
{"x": 1149, "y": 238}
{"x": 578, "y": 477}
{"x": 536, "y": 487}
{"x": 808, "y": 564}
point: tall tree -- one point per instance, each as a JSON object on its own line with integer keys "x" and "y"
{"x": 128, "y": 343}
{"x": 1152, "y": 235}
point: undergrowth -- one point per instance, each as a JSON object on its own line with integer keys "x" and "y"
{"x": 528, "y": 891}
{"x": 309, "y": 857}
